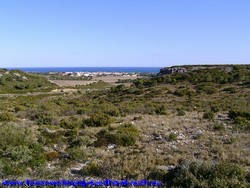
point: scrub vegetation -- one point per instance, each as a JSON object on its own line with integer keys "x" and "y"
{"x": 187, "y": 129}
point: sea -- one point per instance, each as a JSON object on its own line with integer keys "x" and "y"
{"x": 89, "y": 69}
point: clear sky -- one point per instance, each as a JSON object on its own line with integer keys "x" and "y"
{"x": 139, "y": 33}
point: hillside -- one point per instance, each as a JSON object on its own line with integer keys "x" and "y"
{"x": 190, "y": 68}
{"x": 188, "y": 129}
{"x": 15, "y": 81}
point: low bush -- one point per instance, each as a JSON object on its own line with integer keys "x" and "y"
{"x": 215, "y": 108}
{"x": 205, "y": 175}
{"x": 18, "y": 108}
{"x": 242, "y": 124}
{"x": 80, "y": 141}
{"x": 241, "y": 119}
{"x": 181, "y": 92}
{"x": 218, "y": 127}
{"x": 209, "y": 115}
{"x": 7, "y": 116}
{"x": 234, "y": 113}
{"x": 19, "y": 150}
{"x": 51, "y": 137}
{"x": 92, "y": 169}
{"x": 71, "y": 123}
{"x": 53, "y": 155}
{"x": 230, "y": 89}
{"x": 98, "y": 119}
{"x": 137, "y": 118}
{"x": 77, "y": 153}
{"x": 172, "y": 136}
{"x": 157, "y": 174}
{"x": 181, "y": 112}
{"x": 43, "y": 118}
{"x": 160, "y": 110}
{"x": 108, "y": 108}
{"x": 124, "y": 135}
{"x": 207, "y": 88}
{"x": 148, "y": 108}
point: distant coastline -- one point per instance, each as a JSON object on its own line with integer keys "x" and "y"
{"x": 89, "y": 69}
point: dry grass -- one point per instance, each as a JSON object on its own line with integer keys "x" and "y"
{"x": 108, "y": 79}
{"x": 196, "y": 140}
{"x": 71, "y": 82}
{"x": 113, "y": 79}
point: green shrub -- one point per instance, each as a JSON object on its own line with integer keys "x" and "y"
{"x": 207, "y": 88}
{"x": 234, "y": 113}
{"x": 43, "y": 118}
{"x": 137, "y": 118}
{"x": 230, "y": 89}
{"x": 103, "y": 139}
{"x": 160, "y": 110}
{"x": 148, "y": 108}
{"x": 19, "y": 153}
{"x": 181, "y": 112}
{"x": 215, "y": 109}
{"x": 71, "y": 134}
{"x": 157, "y": 174}
{"x": 241, "y": 119}
{"x": 38, "y": 156}
{"x": 71, "y": 123}
{"x": 108, "y": 108}
{"x": 80, "y": 141}
{"x": 51, "y": 137}
{"x": 77, "y": 153}
{"x": 211, "y": 90}
{"x": 218, "y": 127}
{"x": 99, "y": 119}
{"x": 206, "y": 175}
{"x": 92, "y": 169}
{"x": 18, "y": 108}
{"x": 21, "y": 86}
{"x": 172, "y": 136}
{"x": 209, "y": 115}
{"x": 19, "y": 150}
{"x": 242, "y": 123}
{"x": 118, "y": 89}
{"x": 124, "y": 135}
{"x": 181, "y": 92}
{"x": 6, "y": 116}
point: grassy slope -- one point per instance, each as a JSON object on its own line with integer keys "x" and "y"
{"x": 16, "y": 81}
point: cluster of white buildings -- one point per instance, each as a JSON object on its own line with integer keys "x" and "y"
{"x": 93, "y": 74}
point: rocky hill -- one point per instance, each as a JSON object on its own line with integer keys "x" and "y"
{"x": 190, "y": 68}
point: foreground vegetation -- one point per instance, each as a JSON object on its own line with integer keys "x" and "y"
{"x": 185, "y": 129}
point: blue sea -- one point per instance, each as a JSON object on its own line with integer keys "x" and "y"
{"x": 90, "y": 69}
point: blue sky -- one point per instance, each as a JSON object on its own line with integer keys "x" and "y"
{"x": 139, "y": 33}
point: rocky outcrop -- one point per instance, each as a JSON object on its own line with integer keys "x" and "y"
{"x": 190, "y": 68}
{"x": 171, "y": 70}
